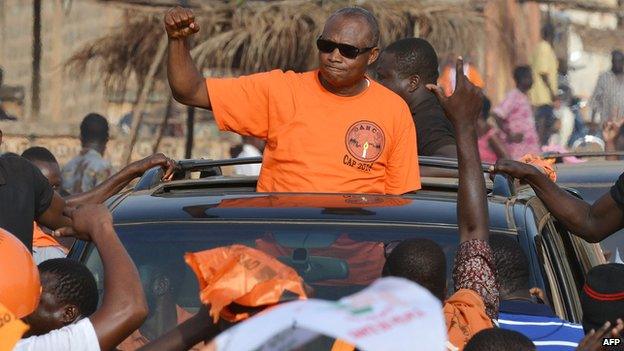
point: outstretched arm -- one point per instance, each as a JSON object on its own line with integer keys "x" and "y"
{"x": 186, "y": 82}
{"x": 123, "y": 308}
{"x": 120, "y": 180}
{"x": 590, "y": 222}
{"x": 474, "y": 267}
{"x": 462, "y": 109}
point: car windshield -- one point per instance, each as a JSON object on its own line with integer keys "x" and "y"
{"x": 335, "y": 259}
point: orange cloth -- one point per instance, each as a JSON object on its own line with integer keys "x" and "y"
{"x": 365, "y": 258}
{"x": 136, "y": 340}
{"x": 11, "y": 329}
{"x": 318, "y": 141}
{"x": 447, "y": 78}
{"x": 41, "y": 239}
{"x": 545, "y": 166}
{"x": 245, "y": 276}
{"x": 465, "y": 316}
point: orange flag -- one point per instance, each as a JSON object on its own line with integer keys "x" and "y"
{"x": 241, "y": 275}
{"x": 11, "y": 329}
{"x": 546, "y": 166}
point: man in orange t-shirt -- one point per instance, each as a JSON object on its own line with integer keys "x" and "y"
{"x": 327, "y": 130}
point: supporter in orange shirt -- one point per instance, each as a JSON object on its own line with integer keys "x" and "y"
{"x": 475, "y": 301}
{"x": 328, "y": 130}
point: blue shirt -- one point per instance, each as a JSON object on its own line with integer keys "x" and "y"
{"x": 537, "y": 322}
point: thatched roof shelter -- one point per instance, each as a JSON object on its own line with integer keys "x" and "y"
{"x": 251, "y": 36}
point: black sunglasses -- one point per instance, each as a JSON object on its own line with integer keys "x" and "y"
{"x": 346, "y": 50}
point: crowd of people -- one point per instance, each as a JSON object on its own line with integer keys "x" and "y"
{"x": 333, "y": 129}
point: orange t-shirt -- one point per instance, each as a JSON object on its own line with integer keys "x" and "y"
{"x": 465, "y": 316}
{"x": 318, "y": 141}
{"x": 41, "y": 239}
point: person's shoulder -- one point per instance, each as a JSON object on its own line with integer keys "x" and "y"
{"x": 16, "y": 164}
{"x": 79, "y": 336}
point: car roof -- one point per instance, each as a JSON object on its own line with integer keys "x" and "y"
{"x": 434, "y": 207}
{"x": 601, "y": 171}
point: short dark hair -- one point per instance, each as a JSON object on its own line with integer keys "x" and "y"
{"x": 415, "y": 56}
{"x": 617, "y": 52}
{"x": 495, "y": 339}
{"x": 421, "y": 261}
{"x": 512, "y": 265}
{"x": 356, "y": 11}
{"x": 520, "y": 72}
{"x": 94, "y": 128}
{"x": 39, "y": 153}
{"x": 73, "y": 284}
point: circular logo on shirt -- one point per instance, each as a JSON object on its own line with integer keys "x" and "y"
{"x": 365, "y": 141}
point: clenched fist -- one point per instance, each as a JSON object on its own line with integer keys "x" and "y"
{"x": 180, "y": 23}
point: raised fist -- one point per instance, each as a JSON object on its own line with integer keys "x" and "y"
{"x": 180, "y": 23}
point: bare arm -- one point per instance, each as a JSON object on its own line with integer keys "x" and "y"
{"x": 462, "y": 109}
{"x": 186, "y": 82}
{"x": 123, "y": 307}
{"x": 120, "y": 180}
{"x": 592, "y": 223}
{"x": 186, "y": 335}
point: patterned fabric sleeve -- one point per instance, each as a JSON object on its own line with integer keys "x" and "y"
{"x": 475, "y": 269}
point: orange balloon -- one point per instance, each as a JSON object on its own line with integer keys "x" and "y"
{"x": 20, "y": 288}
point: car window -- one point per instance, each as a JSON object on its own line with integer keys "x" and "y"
{"x": 334, "y": 259}
{"x": 560, "y": 258}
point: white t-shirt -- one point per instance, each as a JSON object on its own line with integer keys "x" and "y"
{"x": 76, "y": 337}
{"x": 252, "y": 169}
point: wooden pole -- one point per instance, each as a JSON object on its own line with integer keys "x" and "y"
{"x": 36, "y": 61}
{"x": 163, "y": 125}
{"x": 190, "y": 131}
{"x": 137, "y": 111}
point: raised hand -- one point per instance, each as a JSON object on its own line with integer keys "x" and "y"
{"x": 180, "y": 23}
{"x": 159, "y": 159}
{"x": 593, "y": 339}
{"x": 86, "y": 221}
{"x": 464, "y": 106}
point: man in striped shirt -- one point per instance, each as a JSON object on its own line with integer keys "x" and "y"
{"x": 519, "y": 311}
{"x": 607, "y": 101}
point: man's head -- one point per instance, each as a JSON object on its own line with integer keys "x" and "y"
{"x": 495, "y": 339}
{"x": 355, "y": 27}
{"x": 407, "y": 65}
{"x": 94, "y": 131}
{"x": 421, "y": 261}
{"x": 512, "y": 266}
{"x": 69, "y": 293}
{"x": 1, "y": 76}
{"x": 523, "y": 76}
{"x": 602, "y": 297}
{"x": 160, "y": 283}
{"x": 47, "y": 164}
{"x": 548, "y": 32}
{"x": 617, "y": 62}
